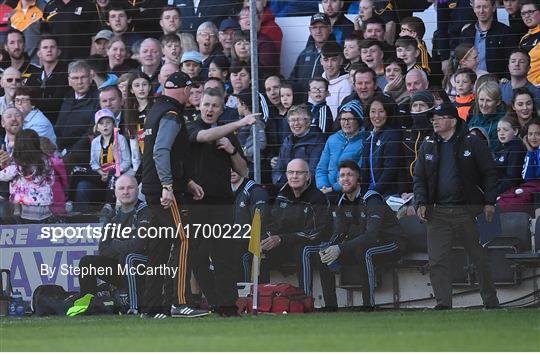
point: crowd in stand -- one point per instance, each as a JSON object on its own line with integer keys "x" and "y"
{"x": 79, "y": 79}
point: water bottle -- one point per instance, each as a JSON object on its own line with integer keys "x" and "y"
{"x": 16, "y": 307}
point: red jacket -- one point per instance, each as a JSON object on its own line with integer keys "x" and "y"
{"x": 270, "y": 29}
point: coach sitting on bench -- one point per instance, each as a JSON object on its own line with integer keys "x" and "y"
{"x": 115, "y": 253}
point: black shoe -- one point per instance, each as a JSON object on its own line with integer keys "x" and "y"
{"x": 231, "y": 311}
{"x": 492, "y": 306}
{"x": 366, "y": 309}
{"x": 441, "y": 307}
{"x": 185, "y": 311}
{"x": 328, "y": 309}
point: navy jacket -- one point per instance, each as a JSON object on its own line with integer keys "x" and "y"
{"x": 509, "y": 160}
{"x": 381, "y": 155}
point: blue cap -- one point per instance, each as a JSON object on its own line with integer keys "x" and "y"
{"x": 194, "y": 56}
{"x": 229, "y": 23}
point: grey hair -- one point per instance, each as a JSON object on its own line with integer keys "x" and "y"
{"x": 208, "y": 25}
{"x": 78, "y": 65}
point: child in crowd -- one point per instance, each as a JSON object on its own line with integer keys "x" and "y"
{"x": 286, "y": 95}
{"x": 191, "y": 63}
{"x": 339, "y": 85}
{"x": 321, "y": 116}
{"x": 31, "y": 178}
{"x": 372, "y": 55}
{"x": 109, "y": 154}
{"x": 465, "y": 79}
{"x": 414, "y": 27}
{"x": 60, "y": 184}
{"x": 510, "y": 153}
{"x": 407, "y": 50}
{"x": 191, "y": 109}
{"x": 171, "y": 48}
{"x": 351, "y": 50}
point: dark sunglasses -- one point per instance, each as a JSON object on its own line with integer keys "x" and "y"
{"x": 17, "y": 80}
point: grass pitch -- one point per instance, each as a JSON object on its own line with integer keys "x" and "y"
{"x": 458, "y": 330}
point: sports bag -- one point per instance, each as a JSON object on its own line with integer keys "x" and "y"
{"x": 51, "y": 300}
{"x": 278, "y": 298}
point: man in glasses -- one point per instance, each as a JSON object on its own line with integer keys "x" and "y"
{"x": 303, "y": 143}
{"x": 299, "y": 218}
{"x": 454, "y": 180}
{"x": 530, "y": 42}
{"x": 492, "y": 39}
{"x": 11, "y": 80}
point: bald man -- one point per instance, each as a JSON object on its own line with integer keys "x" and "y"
{"x": 116, "y": 252}
{"x": 416, "y": 80}
{"x": 11, "y": 80}
{"x": 300, "y": 220}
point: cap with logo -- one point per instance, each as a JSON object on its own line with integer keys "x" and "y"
{"x": 445, "y": 109}
{"x": 177, "y": 80}
{"x": 104, "y": 34}
{"x": 320, "y": 17}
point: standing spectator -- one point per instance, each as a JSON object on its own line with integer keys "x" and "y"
{"x": 321, "y": 116}
{"x": 31, "y": 178}
{"x": 365, "y": 87}
{"x": 509, "y": 155}
{"x": 51, "y": 81}
{"x": 27, "y": 18}
{"x": 226, "y": 32}
{"x": 60, "y": 184}
{"x": 76, "y": 119}
{"x": 513, "y": 8}
{"x": 351, "y": 51}
{"x": 342, "y": 27}
{"x": 382, "y": 148}
{"x": 33, "y": 118}
{"x": 170, "y": 20}
{"x": 454, "y": 180}
{"x": 530, "y": 12}
{"x": 268, "y": 25}
{"x": 308, "y": 63}
{"x": 63, "y": 19}
{"x": 407, "y": 50}
{"x": 119, "y": 19}
{"x": 464, "y": 100}
{"x": 519, "y": 64}
{"x": 416, "y": 80}
{"x": 117, "y": 54}
{"x": 346, "y": 144}
{"x": 492, "y": 39}
{"x": 18, "y": 59}
{"x": 11, "y": 80}
{"x": 372, "y": 55}
{"x": 303, "y": 143}
{"x": 339, "y": 85}
{"x": 12, "y": 121}
{"x": 207, "y": 40}
{"x": 488, "y": 112}
{"x": 150, "y": 58}
{"x": 191, "y": 63}
{"x": 101, "y": 43}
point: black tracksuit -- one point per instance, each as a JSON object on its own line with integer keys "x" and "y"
{"x": 509, "y": 159}
{"x": 363, "y": 228}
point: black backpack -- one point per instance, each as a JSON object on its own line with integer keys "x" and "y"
{"x": 52, "y": 300}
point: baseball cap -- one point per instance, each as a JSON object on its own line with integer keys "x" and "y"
{"x": 104, "y": 34}
{"x": 229, "y": 23}
{"x": 424, "y": 96}
{"x": 445, "y": 109}
{"x": 320, "y": 17}
{"x": 177, "y": 80}
{"x": 193, "y": 56}
{"x": 102, "y": 114}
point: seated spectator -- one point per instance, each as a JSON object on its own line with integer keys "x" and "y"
{"x": 365, "y": 87}
{"x": 119, "y": 20}
{"x": 272, "y": 84}
{"x": 509, "y": 155}
{"x": 303, "y": 143}
{"x": 415, "y": 80}
{"x": 164, "y": 72}
{"x": 321, "y": 116}
{"x": 245, "y": 134}
{"x": 351, "y": 51}
{"x": 530, "y": 12}
{"x": 364, "y": 226}
{"x": 33, "y": 118}
{"x": 117, "y": 253}
{"x": 123, "y": 84}
{"x": 408, "y": 51}
{"x": 381, "y": 152}
{"x": 207, "y": 40}
{"x": 170, "y": 20}
{"x": 220, "y": 68}
{"x": 342, "y": 27}
{"x": 277, "y": 128}
{"x": 372, "y": 55}
{"x": 60, "y": 184}
{"x": 518, "y": 66}
{"x": 394, "y": 73}
{"x": 109, "y": 156}
{"x": 523, "y": 106}
{"x": 339, "y": 85}
{"x": 10, "y": 81}
{"x": 307, "y": 65}
{"x": 346, "y": 144}
{"x": 191, "y": 63}
{"x": 464, "y": 100}
{"x": 12, "y": 122}
{"x": 117, "y": 53}
{"x": 364, "y": 10}
{"x": 286, "y": 97}
{"x": 76, "y": 119}
{"x": 16, "y": 55}
{"x": 374, "y": 28}
{"x": 299, "y": 218}
{"x": 51, "y": 82}
{"x": 488, "y": 112}
{"x": 110, "y": 98}
{"x": 100, "y": 75}
{"x": 150, "y": 58}
{"x": 101, "y": 43}
{"x": 227, "y": 29}
{"x": 31, "y": 178}
{"x": 171, "y": 48}
{"x": 466, "y": 56}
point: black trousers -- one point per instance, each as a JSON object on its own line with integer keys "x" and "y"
{"x": 88, "y": 283}
{"x": 443, "y": 226}
{"x": 216, "y": 259}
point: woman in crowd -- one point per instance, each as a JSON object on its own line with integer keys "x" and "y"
{"x": 523, "y": 107}
{"x": 31, "y": 179}
{"x": 117, "y": 53}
